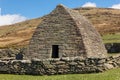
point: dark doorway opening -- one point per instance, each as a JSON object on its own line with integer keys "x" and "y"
{"x": 55, "y": 51}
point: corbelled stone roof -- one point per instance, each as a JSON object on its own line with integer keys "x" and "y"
{"x": 72, "y": 33}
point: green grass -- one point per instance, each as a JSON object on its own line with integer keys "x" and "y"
{"x": 108, "y": 75}
{"x": 111, "y": 38}
{"x": 113, "y": 54}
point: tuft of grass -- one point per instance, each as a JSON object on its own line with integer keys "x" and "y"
{"x": 108, "y": 75}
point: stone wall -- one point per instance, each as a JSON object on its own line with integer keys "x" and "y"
{"x": 11, "y": 53}
{"x": 59, "y": 66}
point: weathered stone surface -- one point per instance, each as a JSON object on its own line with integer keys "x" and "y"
{"x": 101, "y": 61}
{"x": 73, "y": 63}
{"x": 57, "y": 66}
{"x": 72, "y": 33}
{"x": 108, "y": 66}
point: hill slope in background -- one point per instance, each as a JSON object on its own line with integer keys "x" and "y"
{"x": 106, "y": 21}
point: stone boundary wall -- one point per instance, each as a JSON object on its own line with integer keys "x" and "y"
{"x": 58, "y": 66}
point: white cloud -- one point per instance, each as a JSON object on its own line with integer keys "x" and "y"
{"x": 89, "y": 4}
{"x": 116, "y": 6}
{"x": 11, "y": 19}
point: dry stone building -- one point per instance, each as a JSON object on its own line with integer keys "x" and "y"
{"x": 65, "y": 33}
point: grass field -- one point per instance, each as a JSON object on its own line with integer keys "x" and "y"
{"x": 108, "y": 75}
{"x": 111, "y": 38}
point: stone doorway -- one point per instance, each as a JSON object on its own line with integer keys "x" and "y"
{"x": 55, "y": 51}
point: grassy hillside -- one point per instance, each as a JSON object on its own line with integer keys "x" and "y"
{"x": 106, "y": 21}
{"x": 17, "y": 34}
{"x": 108, "y": 75}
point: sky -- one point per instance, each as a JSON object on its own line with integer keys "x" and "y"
{"x": 13, "y": 11}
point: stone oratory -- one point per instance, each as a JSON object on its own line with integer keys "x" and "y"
{"x": 65, "y": 33}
